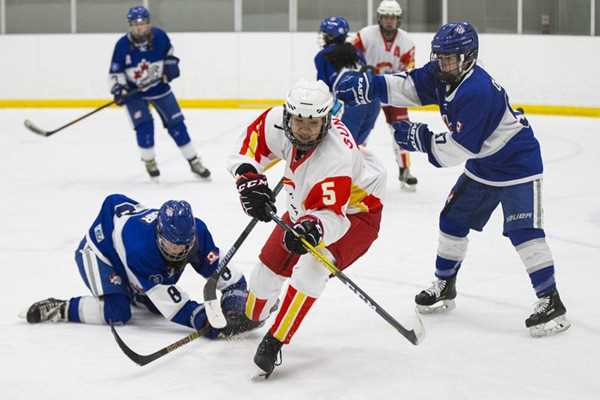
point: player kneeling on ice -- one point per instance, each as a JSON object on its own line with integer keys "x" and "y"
{"x": 133, "y": 255}
{"x": 334, "y": 202}
{"x": 504, "y": 164}
{"x": 144, "y": 59}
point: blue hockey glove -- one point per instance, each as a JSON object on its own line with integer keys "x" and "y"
{"x": 310, "y": 229}
{"x": 354, "y": 88}
{"x": 119, "y": 93}
{"x": 412, "y": 136}
{"x": 171, "y": 68}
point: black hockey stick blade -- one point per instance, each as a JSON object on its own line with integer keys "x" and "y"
{"x": 142, "y": 360}
{"x": 33, "y": 128}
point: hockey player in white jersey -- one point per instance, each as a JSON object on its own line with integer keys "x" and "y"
{"x": 389, "y": 49}
{"x": 503, "y": 164}
{"x": 335, "y": 195}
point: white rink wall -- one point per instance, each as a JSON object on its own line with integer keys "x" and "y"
{"x": 535, "y": 69}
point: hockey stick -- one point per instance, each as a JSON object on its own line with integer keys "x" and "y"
{"x": 37, "y": 130}
{"x": 414, "y": 336}
{"x": 142, "y": 360}
{"x": 211, "y": 303}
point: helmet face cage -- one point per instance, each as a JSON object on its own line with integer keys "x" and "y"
{"x": 308, "y": 99}
{"x": 175, "y": 230}
{"x": 137, "y": 16}
{"x": 459, "y": 39}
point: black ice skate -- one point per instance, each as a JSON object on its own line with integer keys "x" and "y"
{"x": 152, "y": 168}
{"x": 51, "y": 309}
{"x": 199, "y": 169}
{"x": 407, "y": 181}
{"x": 268, "y": 355}
{"x": 437, "y": 298}
{"x": 548, "y": 317}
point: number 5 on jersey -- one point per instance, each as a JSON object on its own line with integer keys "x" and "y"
{"x": 331, "y": 193}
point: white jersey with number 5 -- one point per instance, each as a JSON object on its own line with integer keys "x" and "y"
{"x": 332, "y": 180}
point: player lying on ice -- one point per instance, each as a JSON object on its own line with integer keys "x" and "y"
{"x": 133, "y": 255}
{"x": 334, "y": 201}
{"x": 503, "y": 164}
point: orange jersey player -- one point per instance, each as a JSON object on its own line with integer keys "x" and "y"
{"x": 335, "y": 195}
{"x": 388, "y": 49}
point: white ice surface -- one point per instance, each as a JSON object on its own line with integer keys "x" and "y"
{"x": 51, "y": 189}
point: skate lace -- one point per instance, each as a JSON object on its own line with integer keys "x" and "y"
{"x": 541, "y": 305}
{"x": 51, "y": 311}
{"x": 436, "y": 288}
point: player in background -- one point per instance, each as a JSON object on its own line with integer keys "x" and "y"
{"x": 503, "y": 165}
{"x": 336, "y": 55}
{"x": 335, "y": 192}
{"x": 388, "y": 49}
{"x": 133, "y": 255}
{"x": 143, "y": 58}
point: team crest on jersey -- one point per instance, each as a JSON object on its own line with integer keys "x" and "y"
{"x": 115, "y": 279}
{"x": 141, "y": 70}
{"x": 157, "y": 278}
{"x": 98, "y": 233}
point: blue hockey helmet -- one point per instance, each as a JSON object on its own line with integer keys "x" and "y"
{"x": 138, "y": 13}
{"x": 457, "y": 39}
{"x": 176, "y": 230}
{"x": 334, "y": 29}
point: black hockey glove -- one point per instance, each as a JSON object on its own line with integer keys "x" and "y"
{"x": 119, "y": 93}
{"x": 310, "y": 229}
{"x": 171, "y": 68}
{"x": 255, "y": 195}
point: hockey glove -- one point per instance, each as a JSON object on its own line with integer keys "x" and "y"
{"x": 412, "y": 136}
{"x": 255, "y": 195}
{"x": 310, "y": 229}
{"x": 171, "y": 68}
{"x": 119, "y": 93}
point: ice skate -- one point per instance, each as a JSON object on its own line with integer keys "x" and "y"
{"x": 268, "y": 356}
{"x": 437, "y": 298}
{"x": 51, "y": 309}
{"x": 548, "y": 317}
{"x": 198, "y": 168}
{"x": 407, "y": 181}
{"x": 152, "y": 169}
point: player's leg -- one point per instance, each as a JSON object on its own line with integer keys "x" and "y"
{"x": 173, "y": 120}
{"x": 407, "y": 181}
{"x": 469, "y": 206}
{"x": 141, "y": 119}
{"x": 308, "y": 281}
{"x": 109, "y": 303}
{"x": 523, "y": 224}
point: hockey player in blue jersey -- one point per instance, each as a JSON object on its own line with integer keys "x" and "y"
{"x": 503, "y": 165}
{"x": 338, "y": 55}
{"x": 133, "y": 255}
{"x": 143, "y": 59}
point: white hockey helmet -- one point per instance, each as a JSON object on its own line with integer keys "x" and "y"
{"x": 389, "y": 7}
{"x": 307, "y": 99}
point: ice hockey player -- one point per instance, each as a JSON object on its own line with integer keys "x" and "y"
{"x": 143, "y": 58}
{"x": 503, "y": 164}
{"x": 133, "y": 255}
{"x": 389, "y": 50}
{"x": 336, "y": 55}
{"x": 335, "y": 192}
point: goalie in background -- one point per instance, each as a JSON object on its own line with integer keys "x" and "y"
{"x": 133, "y": 256}
{"x": 503, "y": 165}
{"x": 144, "y": 58}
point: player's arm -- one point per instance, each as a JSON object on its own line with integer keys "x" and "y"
{"x": 171, "y": 63}
{"x": 117, "y": 79}
{"x": 478, "y": 114}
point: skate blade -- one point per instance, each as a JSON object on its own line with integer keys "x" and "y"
{"x": 551, "y": 327}
{"x": 408, "y": 188}
{"x": 260, "y": 376}
{"x": 439, "y": 307}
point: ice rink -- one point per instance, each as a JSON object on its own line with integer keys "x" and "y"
{"x": 52, "y": 189}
